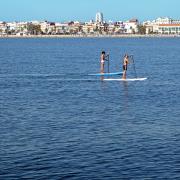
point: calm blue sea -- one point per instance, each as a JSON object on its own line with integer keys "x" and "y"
{"x": 59, "y": 123}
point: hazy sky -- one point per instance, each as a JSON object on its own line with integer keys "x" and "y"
{"x": 84, "y": 10}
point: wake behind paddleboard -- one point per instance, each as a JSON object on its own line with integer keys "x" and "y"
{"x": 131, "y": 79}
{"x": 106, "y": 74}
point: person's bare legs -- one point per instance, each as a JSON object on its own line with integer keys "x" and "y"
{"x": 102, "y": 68}
{"x": 124, "y": 74}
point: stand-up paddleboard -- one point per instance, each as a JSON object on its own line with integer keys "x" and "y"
{"x": 106, "y": 74}
{"x": 131, "y": 79}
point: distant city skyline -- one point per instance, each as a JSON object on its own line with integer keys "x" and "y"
{"x": 85, "y": 10}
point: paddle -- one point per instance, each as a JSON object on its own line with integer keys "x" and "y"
{"x": 132, "y": 57}
{"x": 108, "y": 61}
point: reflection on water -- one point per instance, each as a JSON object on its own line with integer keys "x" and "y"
{"x": 125, "y": 87}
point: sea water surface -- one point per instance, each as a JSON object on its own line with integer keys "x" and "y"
{"x": 59, "y": 123}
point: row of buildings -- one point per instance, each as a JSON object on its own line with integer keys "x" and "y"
{"x": 162, "y": 26}
{"x": 99, "y": 26}
{"x": 73, "y": 27}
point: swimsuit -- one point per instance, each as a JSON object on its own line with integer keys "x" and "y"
{"x": 125, "y": 67}
{"x": 125, "y": 64}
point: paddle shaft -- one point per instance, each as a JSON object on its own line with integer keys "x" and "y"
{"x": 108, "y": 62}
{"x": 134, "y": 66}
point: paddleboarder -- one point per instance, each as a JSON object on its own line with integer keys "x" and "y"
{"x": 125, "y": 64}
{"x": 103, "y": 59}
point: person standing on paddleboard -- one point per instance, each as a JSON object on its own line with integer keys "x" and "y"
{"x": 125, "y": 64}
{"x": 102, "y": 60}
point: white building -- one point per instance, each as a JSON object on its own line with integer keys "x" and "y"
{"x": 164, "y": 20}
{"x": 169, "y": 29}
{"x": 44, "y": 26}
{"x": 12, "y": 25}
{"x": 163, "y": 26}
{"x": 175, "y": 21}
{"x": 3, "y": 26}
{"x": 131, "y": 26}
{"x": 151, "y": 27}
{"x": 99, "y": 17}
{"x": 62, "y": 28}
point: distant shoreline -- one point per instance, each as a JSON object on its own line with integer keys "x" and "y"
{"x": 93, "y": 36}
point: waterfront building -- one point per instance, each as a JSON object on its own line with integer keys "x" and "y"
{"x": 162, "y": 26}
{"x": 35, "y": 22}
{"x": 44, "y": 27}
{"x": 21, "y": 26}
{"x": 3, "y": 24}
{"x": 52, "y": 28}
{"x": 3, "y": 27}
{"x": 12, "y": 26}
{"x": 151, "y": 28}
{"x": 121, "y": 27}
{"x": 163, "y": 20}
{"x": 90, "y": 28}
{"x": 175, "y": 21}
{"x": 48, "y": 27}
{"x": 131, "y": 26}
{"x": 99, "y": 17}
{"x": 169, "y": 29}
{"x": 62, "y": 28}
{"x": 74, "y": 27}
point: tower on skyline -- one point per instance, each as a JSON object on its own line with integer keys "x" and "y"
{"x": 99, "y": 17}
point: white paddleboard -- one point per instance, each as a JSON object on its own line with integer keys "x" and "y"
{"x": 131, "y": 79}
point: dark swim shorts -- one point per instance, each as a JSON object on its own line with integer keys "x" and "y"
{"x": 125, "y": 67}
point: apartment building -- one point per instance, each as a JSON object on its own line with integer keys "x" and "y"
{"x": 169, "y": 29}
